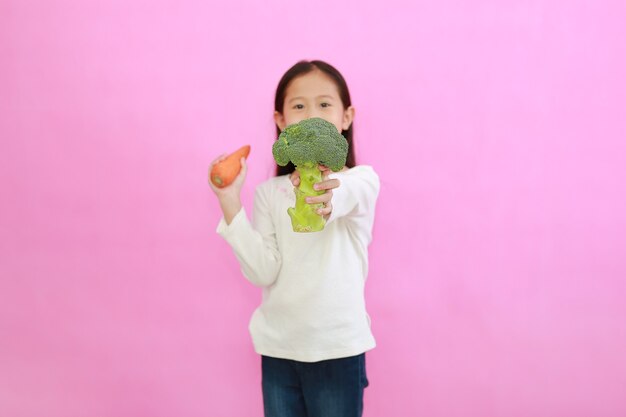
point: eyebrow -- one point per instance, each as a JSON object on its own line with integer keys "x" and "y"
{"x": 322, "y": 96}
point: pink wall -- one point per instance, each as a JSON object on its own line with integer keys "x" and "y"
{"x": 498, "y": 269}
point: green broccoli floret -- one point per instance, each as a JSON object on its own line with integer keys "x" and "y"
{"x": 307, "y": 144}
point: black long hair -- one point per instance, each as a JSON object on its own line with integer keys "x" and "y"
{"x": 302, "y": 68}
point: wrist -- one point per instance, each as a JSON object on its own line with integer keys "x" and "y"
{"x": 231, "y": 205}
{"x": 229, "y": 199}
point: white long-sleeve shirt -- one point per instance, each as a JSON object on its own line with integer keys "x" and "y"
{"x": 313, "y": 305}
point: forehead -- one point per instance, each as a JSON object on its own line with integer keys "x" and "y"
{"x": 312, "y": 84}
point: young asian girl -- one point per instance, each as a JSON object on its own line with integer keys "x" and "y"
{"x": 312, "y": 328}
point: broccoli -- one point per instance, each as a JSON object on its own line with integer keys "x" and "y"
{"x": 307, "y": 144}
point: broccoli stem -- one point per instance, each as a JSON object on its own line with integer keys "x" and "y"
{"x": 304, "y": 217}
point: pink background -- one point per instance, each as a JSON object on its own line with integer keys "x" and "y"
{"x": 498, "y": 270}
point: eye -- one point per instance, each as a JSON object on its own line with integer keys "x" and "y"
{"x": 298, "y": 106}
{"x": 325, "y": 104}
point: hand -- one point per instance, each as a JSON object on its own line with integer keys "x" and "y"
{"x": 327, "y": 184}
{"x": 230, "y": 202}
{"x": 235, "y": 187}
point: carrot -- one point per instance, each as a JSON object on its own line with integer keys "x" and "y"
{"x": 225, "y": 171}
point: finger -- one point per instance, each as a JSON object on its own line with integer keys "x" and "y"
{"x": 322, "y": 198}
{"x": 218, "y": 159}
{"x": 326, "y": 210}
{"x": 295, "y": 178}
{"x": 244, "y": 166}
{"x": 325, "y": 171}
{"x": 242, "y": 172}
{"x": 327, "y": 185}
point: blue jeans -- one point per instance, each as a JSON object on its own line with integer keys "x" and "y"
{"x": 331, "y": 388}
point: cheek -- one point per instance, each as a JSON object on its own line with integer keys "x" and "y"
{"x": 293, "y": 119}
{"x": 289, "y": 117}
{"x": 336, "y": 120}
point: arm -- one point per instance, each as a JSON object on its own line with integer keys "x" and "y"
{"x": 356, "y": 195}
{"x": 349, "y": 193}
{"x": 256, "y": 250}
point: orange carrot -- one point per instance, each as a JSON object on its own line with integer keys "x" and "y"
{"x": 225, "y": 171}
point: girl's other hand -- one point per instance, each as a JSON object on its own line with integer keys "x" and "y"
{"x": 235, "y": 187}
{"x": 229, "y": 196}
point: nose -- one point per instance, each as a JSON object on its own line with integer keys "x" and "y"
{"x": 312, "y": 113}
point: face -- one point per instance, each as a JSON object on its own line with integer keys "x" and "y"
{"x": 314, "y": 95}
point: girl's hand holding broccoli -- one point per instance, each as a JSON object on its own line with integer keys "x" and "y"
{"x": 327, "y": 184}
{"x": 309, "y": 144}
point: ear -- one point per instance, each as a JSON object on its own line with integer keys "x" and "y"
{"x": 348, "y": 117}
{"x": 279, "y": 119}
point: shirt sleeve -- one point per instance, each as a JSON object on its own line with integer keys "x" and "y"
{"x": 355, "y": 198}
{"x": 255, "y": 247}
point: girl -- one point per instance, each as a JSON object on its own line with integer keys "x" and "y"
{"x": 311, "y": 329}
